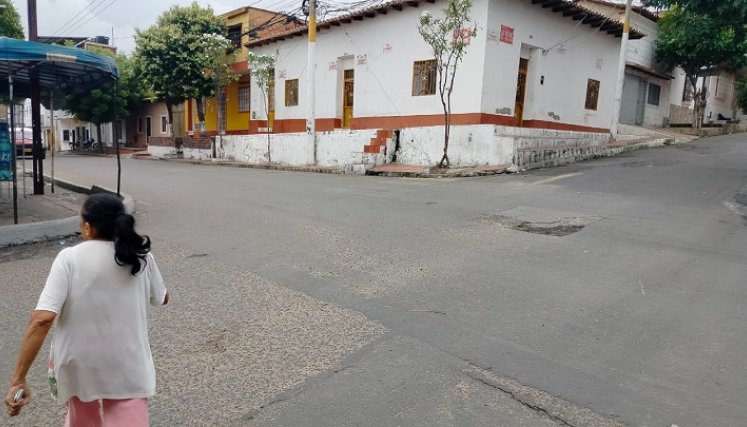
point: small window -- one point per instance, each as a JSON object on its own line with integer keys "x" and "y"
{"x": 291, "y": 93}
{"x": 139, "y": 125}
{"x": 592, "y": 94}
{"x": 66, "y": 135}
{"x": 234, "y": 35}
{"x": 164, "y": 125}
{"x": 424, "y": 78}
{"x": 654, "y": 93}
{"x": 244, "y": 100}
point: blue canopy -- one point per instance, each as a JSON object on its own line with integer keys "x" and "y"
{"x": 62, "y": 70}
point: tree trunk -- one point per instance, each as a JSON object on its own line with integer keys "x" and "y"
{"x": 267, "y": 127}
{"x": 445, "y": 163}
{"x": 98, "y": 137}
{"x": 201, "y": 114}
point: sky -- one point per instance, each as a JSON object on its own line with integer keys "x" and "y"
{"x": 88, "y": 18}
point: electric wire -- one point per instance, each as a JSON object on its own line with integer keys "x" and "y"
{"x": 68, "y": 22}
{"x": 77, "y": 24}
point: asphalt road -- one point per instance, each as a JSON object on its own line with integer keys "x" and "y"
{"x": 614, "y": 286}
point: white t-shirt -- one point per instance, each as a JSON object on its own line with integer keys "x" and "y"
{"x": 100, "y": 348}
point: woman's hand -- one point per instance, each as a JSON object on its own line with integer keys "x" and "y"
{"x": 14, "y": 406}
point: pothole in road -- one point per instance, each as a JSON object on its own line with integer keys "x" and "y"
{"x": 544, "y": 222}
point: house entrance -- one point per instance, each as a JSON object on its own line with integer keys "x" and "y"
{"x": 347, "y": 97}
{"x": 521, "y": 89}
{"x": 633, "y": 104}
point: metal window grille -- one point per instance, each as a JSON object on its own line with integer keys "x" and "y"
{"x": 424, "y": 78}
{"x": 291, "y": 93}
{"x": 654, "y": 94}
{"x": 244, "y": 99}
{"x": 592, "y": 94}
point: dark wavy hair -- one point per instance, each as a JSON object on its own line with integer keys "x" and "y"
{"x": 106, "y": 213}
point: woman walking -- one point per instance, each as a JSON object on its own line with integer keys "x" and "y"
{"x": 100, "y": 362}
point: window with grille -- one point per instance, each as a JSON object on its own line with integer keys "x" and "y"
{"x": 592, "y": 94}
{"x": 164, "y": 125}
{"x": 424, "y": 78}
{"x": 654, "y": 93}
{"x": 234, "y": 35}
{"x": 66, "y": 135}
{"x": 291, "y": 93}
{"x": 244, "y": 100}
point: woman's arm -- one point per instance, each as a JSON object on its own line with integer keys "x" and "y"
{"x": 36, "y": 332}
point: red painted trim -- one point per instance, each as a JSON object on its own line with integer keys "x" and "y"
{"x": 241, "y": 67}
{"x": 400, "y": 122}
{"x": 544, "y": 124}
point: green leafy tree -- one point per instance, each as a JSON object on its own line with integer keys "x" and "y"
{"x": 262, "y": 69}
{"x": 172, "y": 56}
{"x": 448, "y": 38}
{"x": 219, "y": 55}
{"x": 101, "y": 106}
{"x": 701, "y": 36}
{"x": 10, "y": 21}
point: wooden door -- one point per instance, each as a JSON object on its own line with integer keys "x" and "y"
{"x": 521, "y": 88}
{"x": 347, "y": 97}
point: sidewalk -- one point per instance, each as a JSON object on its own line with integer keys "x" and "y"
{"x": 52, "y": 215}
{"x": 32, "y": 208}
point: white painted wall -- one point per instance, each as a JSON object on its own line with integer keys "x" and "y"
{"x": 721, "y": 93}
{"x": 566, "y": 67}
{"x": 382, "y": 51}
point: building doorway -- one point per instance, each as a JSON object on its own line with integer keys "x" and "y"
{"x": 521, "y": 90}
{"x": 348, "y": 94}
{"x": 633, "y": 105}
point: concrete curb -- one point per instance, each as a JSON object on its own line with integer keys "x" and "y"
{"x": 234, "y": 164}
{"x": 14, "y": 235}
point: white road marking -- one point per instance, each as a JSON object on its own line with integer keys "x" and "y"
{"x": 556, "y": 178}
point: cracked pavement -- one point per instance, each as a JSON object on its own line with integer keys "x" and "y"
{"x": 312, "y": 299}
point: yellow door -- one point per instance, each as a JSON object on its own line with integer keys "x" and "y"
{"x": 521, "y": 87}
{"x": 347, "y": 98}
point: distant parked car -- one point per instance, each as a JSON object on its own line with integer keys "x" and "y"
{"x": 25, "y": 143}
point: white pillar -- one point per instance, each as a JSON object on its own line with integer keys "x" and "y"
{"x": 621, "y": 69}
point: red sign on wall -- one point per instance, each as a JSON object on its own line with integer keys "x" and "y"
{"x": 507, "y": 34}
{"x": 463, "y": 35}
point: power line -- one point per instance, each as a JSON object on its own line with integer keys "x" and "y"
{"x": 94, "y": 16}
{"x": 76, "y": 19}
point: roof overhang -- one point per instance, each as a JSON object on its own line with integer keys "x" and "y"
{"x": 568, "y": 9}
{"x": 648, "y": 71}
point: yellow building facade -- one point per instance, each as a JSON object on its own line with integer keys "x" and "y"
{"x": 242, "y": 24}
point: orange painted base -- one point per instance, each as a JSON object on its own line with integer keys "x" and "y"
{"x": 400, "y": 122}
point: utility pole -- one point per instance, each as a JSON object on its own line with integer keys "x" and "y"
{"x": 37, "y": 149}
{"x": 311, "y": 70}
{"x": 621, "y": 69}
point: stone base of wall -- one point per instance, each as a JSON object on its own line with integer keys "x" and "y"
{"x": 680, "y": 115}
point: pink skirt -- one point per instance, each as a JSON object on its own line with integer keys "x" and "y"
{"x": 107, "y": 412}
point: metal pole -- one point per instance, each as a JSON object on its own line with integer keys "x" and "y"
{"x": 311, "y": 69}
{"x": 52, "y": 137}
{"x": 116, "y": 137}
{"x": 13, "y": 143}
{"x": 23, "y": 150}
{"x": 38, "y": 150}
{"x": 621, "y": 69}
